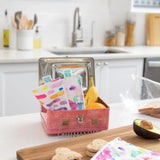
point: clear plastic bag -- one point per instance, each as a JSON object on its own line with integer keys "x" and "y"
{"x": 142, "y": 92}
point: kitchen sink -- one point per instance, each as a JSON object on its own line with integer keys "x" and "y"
{"x": 85, "y": 50}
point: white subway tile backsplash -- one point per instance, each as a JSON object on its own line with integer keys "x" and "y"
{"x": 55, "y": 18}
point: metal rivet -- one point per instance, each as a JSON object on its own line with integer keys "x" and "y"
{"x": 94, "y": 120}
{"x": 64, "y": 122}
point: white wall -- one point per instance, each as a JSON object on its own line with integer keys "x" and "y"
{"x": 56, "y": 19}
{"x": 119, "y": 11}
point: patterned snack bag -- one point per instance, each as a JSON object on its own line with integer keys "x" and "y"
{"x": 52, "y": 95}
{"x": 73, "y": 88}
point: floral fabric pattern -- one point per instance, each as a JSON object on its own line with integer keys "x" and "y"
{"x": 119, "y": 149}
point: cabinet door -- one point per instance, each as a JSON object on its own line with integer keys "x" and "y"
{"x": 100, "y": 74}
{"x": 116, "y": 78}
{"x": 98, "y": 67}
{"x": 17, "y": 83}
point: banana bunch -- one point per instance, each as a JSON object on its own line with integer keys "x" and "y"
{"x": 92, "y": 94}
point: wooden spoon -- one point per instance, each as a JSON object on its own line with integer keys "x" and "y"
{"x": 13, "y": 22}
{"x": 23, "y": 21}
{"x": 30, "y": 24}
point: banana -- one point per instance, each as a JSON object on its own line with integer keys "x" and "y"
{"x": 92, "y": 94}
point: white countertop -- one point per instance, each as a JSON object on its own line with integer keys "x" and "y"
{"x": 22, "y": 131}
{"x": 129, "y": 52}
{"x": 16, "y": 56}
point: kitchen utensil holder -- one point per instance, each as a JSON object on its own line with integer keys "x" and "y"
{"x": 24, "y": 39}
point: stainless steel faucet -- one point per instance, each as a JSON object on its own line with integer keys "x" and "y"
{"x": 77, "y": 34}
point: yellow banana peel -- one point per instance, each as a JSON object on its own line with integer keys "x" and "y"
{"x": 92, "y": 94}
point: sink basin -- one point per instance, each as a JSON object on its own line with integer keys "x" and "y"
{"x": 85, "y": 50}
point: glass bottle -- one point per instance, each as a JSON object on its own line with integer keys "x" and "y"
{"x": 130, "y": 27}
{"x": 37, "y": 39}
{"x": 110, "y": 38}
{"x": 120, "y": 35}
{"x": 6, "y": 30}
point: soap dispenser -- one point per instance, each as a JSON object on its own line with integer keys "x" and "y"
{"x": 37, "y": 39}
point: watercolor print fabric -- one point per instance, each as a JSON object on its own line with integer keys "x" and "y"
{"x": 118, "y": 149}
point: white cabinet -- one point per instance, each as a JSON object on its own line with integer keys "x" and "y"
{"x": 17, "y": 80}
{"x": 113, "y": 77}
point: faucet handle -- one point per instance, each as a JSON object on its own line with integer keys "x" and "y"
{"x": 79, "y": 35}
{"x": 92, "y": 25}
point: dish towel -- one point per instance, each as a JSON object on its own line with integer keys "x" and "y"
{"x": 119, "y": 149}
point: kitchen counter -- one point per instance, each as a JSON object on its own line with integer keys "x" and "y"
{"x": 15, "y": 56}
{"x": 22, "y": 131}
{"x": 129, "y": 52}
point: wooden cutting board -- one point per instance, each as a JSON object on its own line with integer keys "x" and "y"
{"x": 153, "y": 29}
{"x": 46, "y": 151}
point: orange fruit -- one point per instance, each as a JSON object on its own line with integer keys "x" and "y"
{"x": 95, "y": 106}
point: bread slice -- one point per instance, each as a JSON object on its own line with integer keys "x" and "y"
{"x": 96, "y": 145}
{"x": 152, "y": 108}
{"x": 63, "y": 153}
{"x": 145, "y": 110}
{"x": 155, "y": 115}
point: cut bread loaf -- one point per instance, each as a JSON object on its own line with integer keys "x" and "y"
{"x": 152, "y": 108}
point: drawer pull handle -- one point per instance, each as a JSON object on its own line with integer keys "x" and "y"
{"x": 98, "y": 64}
{"x": 105, "y": 63}
{"x": 154, "y": 64}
